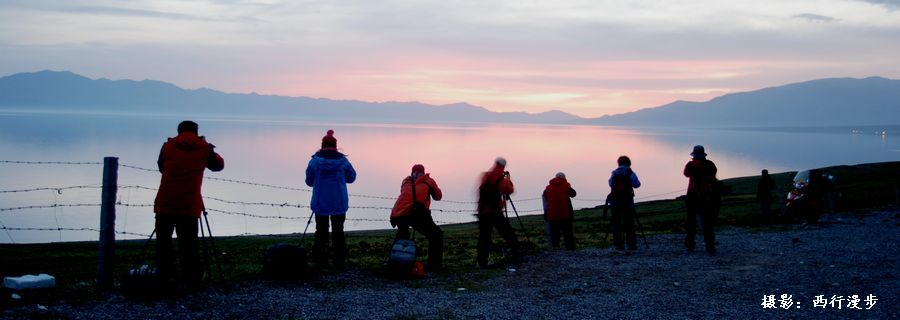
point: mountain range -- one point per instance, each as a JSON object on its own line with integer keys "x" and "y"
{"x": 824, "y": 102}
{"x": 67, "y": 91}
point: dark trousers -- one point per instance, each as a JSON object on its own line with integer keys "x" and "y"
{"x": 189, "y": 255}
{"x": 623, "y": 222}
{"x": 561, "y": 229}
{"x": 339, "y": 242}
{"x": 705, "y": 207}
{"x": 765, "y": 207}
{"x": 424, "y": 224}
{"x": 486, "y": 224}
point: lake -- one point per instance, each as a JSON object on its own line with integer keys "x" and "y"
{"x": 261, "y": 190}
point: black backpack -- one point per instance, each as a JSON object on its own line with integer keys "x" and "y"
{"x": 284, "y": 261}
{"x": 621, "y": 186}
{"x": 489, "y": 192}
{"x": 402, "y": 256}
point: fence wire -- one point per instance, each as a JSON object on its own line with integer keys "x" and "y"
{"x": 71, "y": 229}
{"x": 50, "y": 206}
{"x": 58, "y": 190}
{"x": 50, "y": 162}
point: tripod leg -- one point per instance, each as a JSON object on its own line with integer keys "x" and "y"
{"x": 308, "y": 222}
{"x": 205, "y": 250}
{"x": 608, "y": 223}
{"x": 140, "y": 256}
{"x": 212, "y": 243}
{"x": 638, "y": 221}
{"x": 521, "y": 225}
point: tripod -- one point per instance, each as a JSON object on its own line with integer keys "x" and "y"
{"x": 605, "y": 211}
{"x": 521, "y": 225}
{"x": 634, "y": 215}
{"x": 212, "y": 243}
{"x": 140, "y": 257}
{"x": 638, "y": 222}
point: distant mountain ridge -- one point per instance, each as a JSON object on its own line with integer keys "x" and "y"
{"x": 824, "y": 102}
{"x": 63, "y": 90}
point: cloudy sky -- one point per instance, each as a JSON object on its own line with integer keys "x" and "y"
{"x": 590, "y": 57}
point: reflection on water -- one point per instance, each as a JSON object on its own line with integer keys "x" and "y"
{"x": 276, "y": 153}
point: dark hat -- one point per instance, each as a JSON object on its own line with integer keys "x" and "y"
{"x": 500, "y": 162}
{"x": 188, "y": 126}
{"x": 418, "y": 168}
{"x": 698, "y": 152}
{"x": 329, "y": 141}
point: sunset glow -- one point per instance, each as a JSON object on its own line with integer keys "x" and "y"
{"x": 584, "y": 57}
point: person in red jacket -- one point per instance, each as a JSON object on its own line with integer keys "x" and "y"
{"x": 179, "y": 203}
{"x": 493, "y": 191}
{"x": 403, "y": 216}
{"x": 558, "y": 212}
{"x": 702, "y": 199}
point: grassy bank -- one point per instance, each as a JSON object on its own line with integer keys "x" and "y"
{"x": 74, "y": 264}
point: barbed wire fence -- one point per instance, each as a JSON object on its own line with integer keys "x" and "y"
{"x": 293, "y": 211}
{"x": 285, "y": 211}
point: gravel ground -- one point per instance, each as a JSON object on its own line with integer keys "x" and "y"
{"x": 844, "y": 256}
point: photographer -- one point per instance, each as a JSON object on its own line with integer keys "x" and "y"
{"x": 622, "y": 183}
{"x": 495, "y": 186}
{"x": 558, "y": 212}
{"x": 416, "y": 213}
{"x": 703, "y": 199}
{"x": 328, "y": 173}
{"x": 179, "y": 203}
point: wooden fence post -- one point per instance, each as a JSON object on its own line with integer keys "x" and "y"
{"x": 105, "y": 265}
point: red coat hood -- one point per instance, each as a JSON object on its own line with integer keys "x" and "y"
{"x": 557, "y": 205}
{"x": 182, "y": 161}
{"x": 558, "y": 182}
{"x": 189, "y": 141}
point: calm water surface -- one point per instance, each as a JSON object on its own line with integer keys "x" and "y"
{"x": 275, "y": 153}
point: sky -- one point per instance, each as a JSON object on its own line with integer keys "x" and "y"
{"x": 589, "y": 58}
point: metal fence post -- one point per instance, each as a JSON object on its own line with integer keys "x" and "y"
{"x": 105, "y": 265}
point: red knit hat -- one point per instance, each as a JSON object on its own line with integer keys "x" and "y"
{"x": 418, "y": 168}
{"x": 329, "y": 141}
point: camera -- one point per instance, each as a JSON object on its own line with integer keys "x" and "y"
{"x": 506, "y": 174}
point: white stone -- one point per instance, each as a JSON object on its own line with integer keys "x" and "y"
{"x": 29, "y": 281}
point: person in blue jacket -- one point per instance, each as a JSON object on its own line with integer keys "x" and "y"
{"x": 328, "y": 173}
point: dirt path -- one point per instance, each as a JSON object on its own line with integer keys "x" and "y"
{"x": 847, "y": 255}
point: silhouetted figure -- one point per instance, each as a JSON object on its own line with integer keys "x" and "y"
{"x": 492, "y": 192}
{"x": 558, "y": 212}
{"x": 178, "y": 204}
{"x": 622, "y": 183}
{"x": 764, "y": 194}
{"x": 416, "y": 213}
{"x": 328, "y": 173}
{"x": 702, "y": 199}
{"x": 815, "y": 193}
